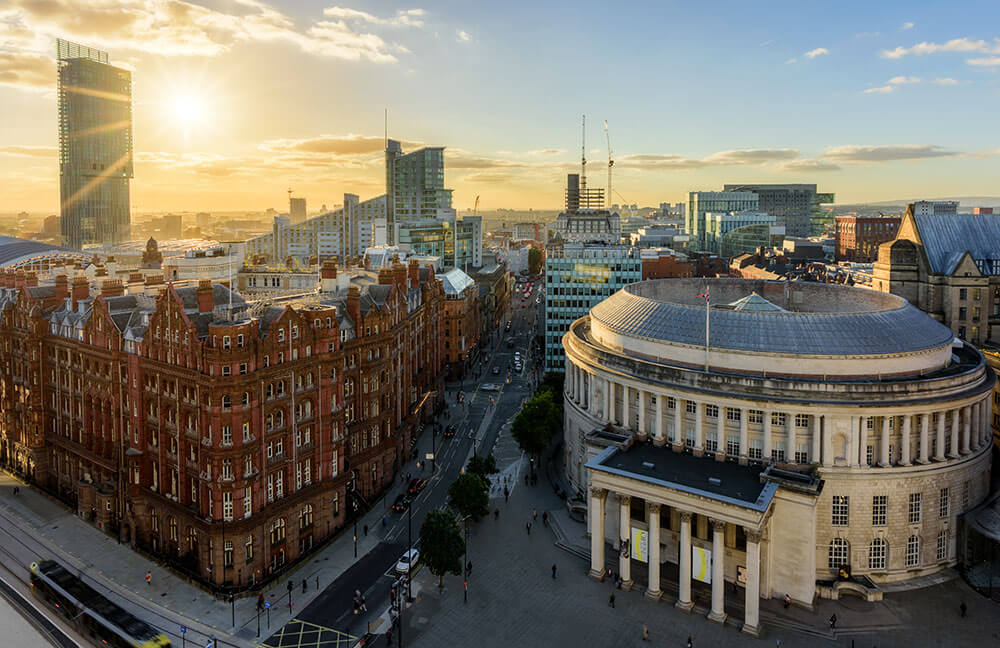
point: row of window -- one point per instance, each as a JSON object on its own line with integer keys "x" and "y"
{"x": 878, "y": 552}
{"x": 841, "y": 507}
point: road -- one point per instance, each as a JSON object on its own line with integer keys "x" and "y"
{"x": 319, "y": 624}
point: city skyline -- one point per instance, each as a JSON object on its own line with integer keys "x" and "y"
{"x": 855, "y": 104}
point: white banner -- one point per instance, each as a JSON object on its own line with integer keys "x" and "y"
{"x": 640, "y": 545}
{"x": 701, "y": 564}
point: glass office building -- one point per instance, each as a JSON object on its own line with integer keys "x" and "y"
{"x": 578, "y": 276}
{"x": 95, "y": 146}
{"x": 459, "y": 243}
{"x": 414, "y": 185}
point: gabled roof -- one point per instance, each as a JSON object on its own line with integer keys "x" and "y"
{"x": 947, "y": 237}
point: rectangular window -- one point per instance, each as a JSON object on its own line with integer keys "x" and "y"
{"x": 227, "y": 505}
{"x": 966, "y": 488}
{"x": 247, "y": 503}
{"x": 943, "y": 503}
{"x": 942, "y": 545}
{"x": 227, "y": 435}
{"x": 802, "y": 454}
{"x": 733, "y": 414}
{"x": 671, "y": 402}
{"x": 777, "y": 418}
{"x": 914, "y": 509}
{"x": 711, "y": 443}
{"x": 841, "y": 510}
{"x": 227, "y": 553}
{"x": 869, "y": 455}
{"x": 733, "y": 446}
{"x": 243, "y": 368}
{"x": 880, "y": 510}
{"x": 712, "y": 411}
{"x": 691, "y": 407}
{"x": 778, "y": 452}
{"x": 755, "y": 416}
{"x": 756, "y": 449}
{"x": 913, "y": 551}
{"x": 801, "y": 420}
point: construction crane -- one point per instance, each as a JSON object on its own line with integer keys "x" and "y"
{"x": 475, "y": 210}
{"x": 289, "y": 202}
{"x": 583, "y": 157}
{"x": 611, "y": 163}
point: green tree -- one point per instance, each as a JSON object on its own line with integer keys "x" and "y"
{"x": 534, "y": 260}
{"x": 469, "y": 495}
{"x": 441, "y": 544}
{"x": 482, "y": 466}
{"x": 553, "y": 382}
{"x": 537, "y": 423}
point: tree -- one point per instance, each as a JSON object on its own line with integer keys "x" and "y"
{"x": 441, "y": 544}
{"x": 534, "y": 260}
{"x": 537, "y": 423}
{"x": 469, "y": 495}
{"x": 482, "y": 466}
{"x": 553, "y": 382}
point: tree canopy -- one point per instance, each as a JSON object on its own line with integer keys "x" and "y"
{"x": 469, "y": 495}
{"x": 482, "y": 466}
{"x": 537, "y": 423}
{"x": 534, "y": 260}
{"x": 441, "y": 544}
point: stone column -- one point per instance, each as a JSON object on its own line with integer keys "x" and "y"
{"x": 720, "y": 433}
{"x": 718, "y": 613}
{"x": 790, "y": 437}
{"x": 863, "y": 442}
{"x": 904, "y": 450}
{"x": 653, "y": 589}
{"x": 607, "y": 400}
{"x": 955, "y": 427}
{"x": 744, "y": 435}
{"x": 596, "y": 513}
{"x": 591, "y": 394}
{"x": 658, "y": 426}
{"x": 925, "y": 439}
{"x": 642, "y": 414}
{"x": 751, "y": 619}
{"x": 699, "y": 427}
{"x": 626, "y": 414}
{"x": 767, "y": 435}
{"x": 625, "y": 533}
{"x": 883, "y": 454}
{"x": 966, "y": 429}
{"x": 684, "y": 559}
{"x": 817, "y": 438}
{"x": 678, "y": 423}
{"x": 939, "y": 449}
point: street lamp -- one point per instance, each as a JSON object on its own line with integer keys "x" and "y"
{"x": 409, "y": 555}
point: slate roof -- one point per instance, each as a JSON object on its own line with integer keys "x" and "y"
{"x": 831, "y": 320}
{"x": 12, "y": 249}
{"x": 946, "y": 237}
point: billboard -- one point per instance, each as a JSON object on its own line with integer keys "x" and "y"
{"x": 701, "y": 564}
{"x": 640, "y": 545}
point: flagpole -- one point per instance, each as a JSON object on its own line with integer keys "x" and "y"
{"x": 706, "y": 328}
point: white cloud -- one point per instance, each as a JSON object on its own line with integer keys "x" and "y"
{"x": 886, "y": 153}
{"x": 819, "y": 51}
{"x": 954, "y": 45}
{"x": 901, "y": 80}
{"x": 886, "y": 89}
{"x": 463, "y": 36}
{"x": 986, "y": 61}
{"x": 892, "y": 84}
{"x": 403, "y": 17}
{"x": 946, "y": 81}
{"x": 807, "y": 165}
{"x": 906, "y": 26}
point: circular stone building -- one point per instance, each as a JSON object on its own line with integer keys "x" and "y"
{"x": 823, "y": 432}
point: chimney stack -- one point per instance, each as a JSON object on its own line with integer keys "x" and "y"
{"x": 399, "y": 270}
{"x": 80, "y": 289}
{"x": 414, "y": 272}
{"x": 30, "y": 279}
{"x": 206, "y": 299}
{"x": 112, "y": 288}
{"x": 62, "y": 287}
{"x": 328, "y": 277}
{"x": 354, "y": 308}
{"x": 19, "y": 278}
{"x": 385, "y": 276}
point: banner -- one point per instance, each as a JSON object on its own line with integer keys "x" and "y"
{"x": 640, "y": 545}
{"x": 701, "y": 564}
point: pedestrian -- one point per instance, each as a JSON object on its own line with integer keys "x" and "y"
{"x": 149, "y": 577}
{"x": 833, "y": 621}
{"x": 366, "y": 530}
{"x": 645, "y": 632}
{"x": 383, "y": 521}
{"x": 788, "y": 601}
{"x": 305, "y": 585}
{"x": 690, "y": 642}
{"x": 553, "y": 571}
{"x": 506, "y": 494}
{"x": 619, "y": 581}
{"x": 364, "y": 605}
{"x": 468, "y": 568}
{"x": 611, "y": 599}
{"x": 496, "y": 514}
{"x": 534, "y": 514}
{"x": 260, "y": 601}
{"x": 545, "y": 518}
{"x": 317, "y": 582}
{"x": 528, "y": 526}
{"x": 963, "y": 609}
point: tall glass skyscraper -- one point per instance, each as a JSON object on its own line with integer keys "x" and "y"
{"x": 95, "y": 146}
{"x": 414, "y": 186}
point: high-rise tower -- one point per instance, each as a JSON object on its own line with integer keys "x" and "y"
{"x": 95, "y": 146}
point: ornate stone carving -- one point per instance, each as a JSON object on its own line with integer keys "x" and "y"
{"x": 752, "y": 535}
{"x": 686, "y": 517}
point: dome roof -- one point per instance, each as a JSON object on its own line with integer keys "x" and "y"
{"x": 795, "y": 318}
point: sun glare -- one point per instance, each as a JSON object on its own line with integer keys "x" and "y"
{"x": 188, "y": 110}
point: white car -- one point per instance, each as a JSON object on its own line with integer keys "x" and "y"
{"x": 411, "y": 557}
{"x": 517, "y": 356}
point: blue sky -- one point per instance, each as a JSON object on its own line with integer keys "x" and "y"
{"x": 235, "y": 100}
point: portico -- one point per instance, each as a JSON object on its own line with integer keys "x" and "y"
{"x": 706, "y": 516}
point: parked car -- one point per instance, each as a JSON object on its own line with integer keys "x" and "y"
{"x": 416, "y": 485}
{"x": 401, "y": 504}
{"x": 407, "y": 560}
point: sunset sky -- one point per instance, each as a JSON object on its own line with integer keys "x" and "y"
{"x": 235, "y": 101}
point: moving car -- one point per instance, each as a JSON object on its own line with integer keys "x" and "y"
{"x": 408, "y": 559}
{"x": 517, "y": 356}
{"x": 449, "y": 431}
{"x": 401, "y": 504}
{"x": 518, "y": 366}
{"x": 416, "y": 485}
{"x": 496, "y": 371}
{"x": 510, "y": 343}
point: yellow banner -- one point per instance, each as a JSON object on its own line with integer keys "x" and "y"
{"x": 701, "y": 564}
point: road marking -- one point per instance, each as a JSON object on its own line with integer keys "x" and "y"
{"x": 302, "y": 634}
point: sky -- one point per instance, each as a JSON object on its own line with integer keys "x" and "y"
{"x": 236, "y": 101}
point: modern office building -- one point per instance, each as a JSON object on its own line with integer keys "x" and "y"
{"x": 585, "y": 220}
{"x": 924, "y": 207}
{"x": 796, "y": 206}
{"x": 577, "y": 277}
{"x": 414, "y": 186}
{"x": 459, "y": 242}
{"x": 703, "y": 202}
{"x": 296, "y": 210}
{"x": 95, "y": 146}
{"x": 769, "y": 455}
{"x": 718, "y": 224}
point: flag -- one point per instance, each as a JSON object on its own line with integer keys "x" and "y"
{"x": 703, "y": 295}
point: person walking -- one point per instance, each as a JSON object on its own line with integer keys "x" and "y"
{"x": 365, "y": 528}
{"x": 506, "y": 494}
{"x": 690, "y": 642}
{"x": 545, "y": 518}
{"x": 833, "y": 621}
{"x": 534, "y": 514}
{"x": 963, "y": 609}
{"x": 149, "y": 577}
{"x": 611, "y": 599}
{"x": 528, "y": 526}
{"x": 496, "y": 514}
{"x": 305, "y": 586}
{"x": 260, "y": 601}
{"x": 788, "y": 601}
{"x": 553, "y": 571}
{"x": 645, "y": 632}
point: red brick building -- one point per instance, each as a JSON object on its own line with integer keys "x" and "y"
{"x": 665, "y": 264}
{"x": 461, "y": 327}
{"x": 219, "y": 435}
{"x": 858, "y": 237}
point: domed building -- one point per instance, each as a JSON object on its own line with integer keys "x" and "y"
{"x": 826, "y": 438}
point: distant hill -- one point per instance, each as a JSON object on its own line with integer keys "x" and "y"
{"x": 965, "y": 203}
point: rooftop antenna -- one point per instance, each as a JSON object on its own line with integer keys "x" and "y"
{"x": 385, "y": 135}
{"x": 583, "y": 156}
{"x": 611, "y": 163}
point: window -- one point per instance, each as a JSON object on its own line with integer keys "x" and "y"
{"x": 711, "y": 443}
{"x": 306, "y": 517}
{"x": 712, "y": 411}
{"x": 226, "y": 370}
{"x": 732, "y": 414}
{"x": 239, "y": 340}
{"x": 869, "y": 455}
{"x": 733, "y": 446}
{"x": 777, "y": 418}
{"x": 247, "y": 503}
{"x": 914, "y": 511}
{"x": 245, "y": 399}
{"x": 243, "y": 368}
{"x": 963, "y": 293}
{"x": 227, "y": 469}
{"x": 880, "y": 510}
{"x": 841, "y": 510}
{"x": 227, "y": 435}
{"x": 248, "y": 549}
{"x": 943, "y": 503}
{"x": 227, "y": 402}
{"x": 942, "y": 545}
{"x": 671, "y": 402}
{"x": 226, "y": 344}
{"x": 690, "y": 407}
{"x": 278, "y": 531}
{"x": 755, "y": 416}
{"x": 876, "y": 553}
{"x": 912, "y": 551}
{"x": 756, "y": 449}
{"x": 838, "y": 553}
{"x": 802, "y": 454}
{"x": 281, "y": 335}
{"x": 966, "y": 488}
{"x": 801, "y": 420}
{"x": 227, "y": 505}
{"x": 227, "y": 553}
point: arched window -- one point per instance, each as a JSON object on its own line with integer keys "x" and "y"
{"x": 227, "y": 402}
{"x": 172, "y": 525}
{"x": 277, "y": 530}
{"x": 279, "y": 418}
{"x": 245, "y": 400}
{"x": 270, "y": 421}
{"x": 348, "y": 387}
{"x": 281, "y": 388}
{"x": 877, "y": 552}
{"x": 306, "y": 516}
{"x": 270, "y": 390}
{"x": 838, "y": 554}
{"x": 912, "y": 551}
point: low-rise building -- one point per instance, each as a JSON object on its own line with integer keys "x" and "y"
{"x": 858, "y": 237}
{"x": 461, "y": 320}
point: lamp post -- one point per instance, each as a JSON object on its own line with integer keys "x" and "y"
{"x": 465, "y": 594}
{"x": 409, "y": 555}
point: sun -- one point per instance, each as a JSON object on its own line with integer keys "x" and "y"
{"x": 188, "y": 110}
